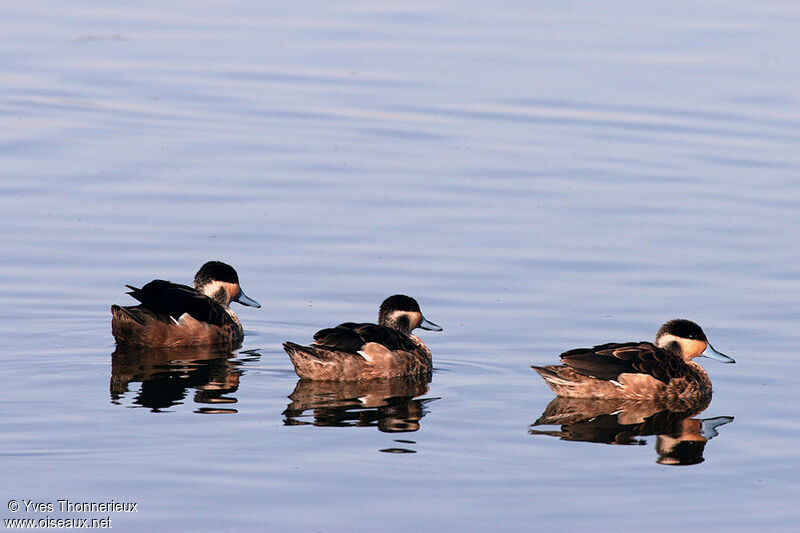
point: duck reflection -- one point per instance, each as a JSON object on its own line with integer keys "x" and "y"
{"x": 391, "y": 405}
{"x": 167, "y": 373}
{"x": 680, "y": 438}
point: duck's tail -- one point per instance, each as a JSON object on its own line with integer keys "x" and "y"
{"x": 126, "y": 326}
{"x": 557, "y": 378}
{"x": 298, "y": 350}
{"x": 304, "y": 359}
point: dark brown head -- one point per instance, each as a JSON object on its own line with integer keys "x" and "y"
{"x": 402, "y": 313}
{"x": 685, "y": 338}
{"x": 219, "y": 281}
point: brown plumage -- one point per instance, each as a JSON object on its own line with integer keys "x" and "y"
{"x": 173, "y": 315}
{"x": 352, "y": 352}
{"x": 637, "y": 370}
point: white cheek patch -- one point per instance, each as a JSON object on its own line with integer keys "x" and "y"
{"x": 413, "y": 317}
{"x": 212, "y": 288}
{"x": 690, "y": 347}
{"x": 231, "y": 290}
{"x": 664, "y": 340}
{"x": 693, "y": 348}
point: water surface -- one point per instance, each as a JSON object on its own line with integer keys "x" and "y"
{"x": 539, "y": 177}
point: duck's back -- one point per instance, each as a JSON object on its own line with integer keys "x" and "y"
{"x": 166, "y": 299}
{"x": 609, "y": 361}
{"x": 351, "y": 337}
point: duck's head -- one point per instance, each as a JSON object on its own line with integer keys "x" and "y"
{"x": 402, "y": 313}
{"x": 687, "y": 339}
{"x": 220, "y": 282}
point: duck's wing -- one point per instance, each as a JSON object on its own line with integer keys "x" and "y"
{"x": 172, "y": 300}
{"x": 351, "y": 337}
{"x": 608, "y": 361}
{"x": 389, "y": 337}
{"x": 340, "y": 338}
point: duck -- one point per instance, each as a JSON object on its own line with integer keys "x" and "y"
{"x": 174, "y": 315}
{"x": 662, "y": 370}
{"x": 356, "y": 352}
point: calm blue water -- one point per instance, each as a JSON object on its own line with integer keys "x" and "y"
{"x": 539, "y": 177}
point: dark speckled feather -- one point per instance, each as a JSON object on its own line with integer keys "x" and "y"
{"x": 340, "y": 337}
{"x": 608, "y": 361}
{"x": 351, "y": 337}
